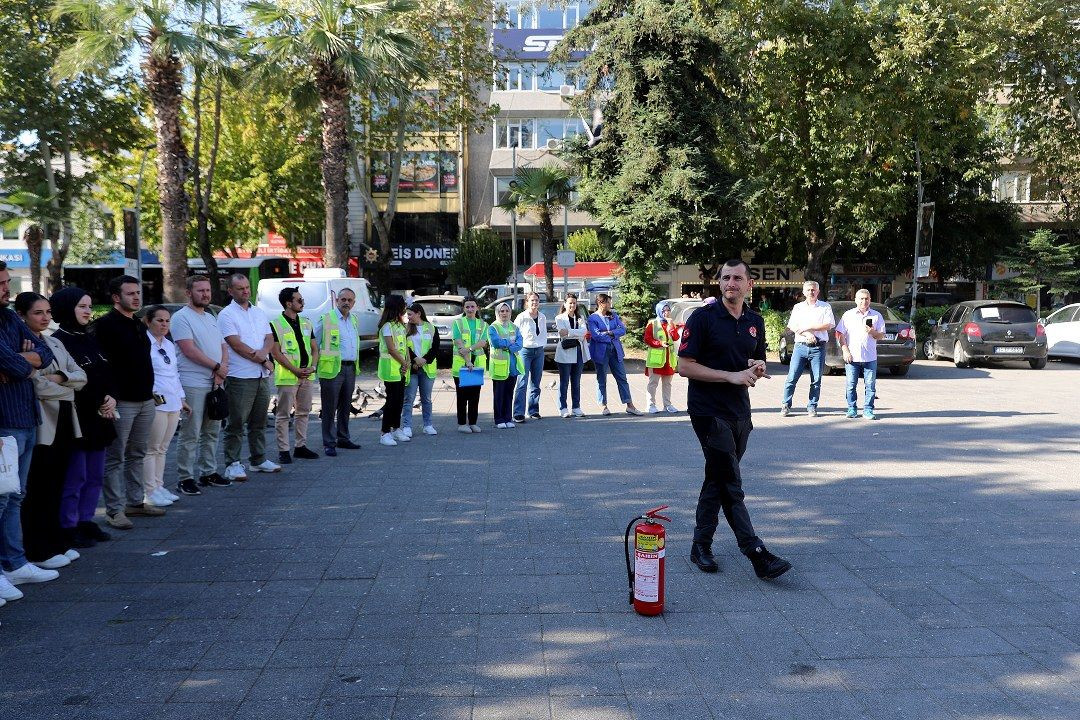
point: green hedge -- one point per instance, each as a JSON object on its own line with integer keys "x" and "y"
{"x": 923, "y": 316}
{"x": 775, "y": 324}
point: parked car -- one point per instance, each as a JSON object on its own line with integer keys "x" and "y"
{"x": 1063, "y": 332}
{"x": 901, "y": 304}
{"x": 442, "y": 311}
{"x": 320, "y": 287}
{"x": 549, "y": 309}
{"x": 682, "y": 309}
{"x": 987, "y": 331}
{"x": 896, "y": 350}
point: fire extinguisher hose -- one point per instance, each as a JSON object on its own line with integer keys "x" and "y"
{"x": 626, "y": 550}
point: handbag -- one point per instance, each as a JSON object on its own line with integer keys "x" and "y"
{"x": 569, "y": 343}
{"x": 471, "y": 378}
{"x": 9, "y": 465}
{"x": 217, "y": 403}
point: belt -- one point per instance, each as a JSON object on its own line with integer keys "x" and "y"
{"x": 811, "y": 344}
{"x": 349, "y": 362}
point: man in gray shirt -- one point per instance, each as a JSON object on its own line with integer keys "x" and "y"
{"x": 203, "y": 364}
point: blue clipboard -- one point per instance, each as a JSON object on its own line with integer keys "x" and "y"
{"x": 471, "y": 378}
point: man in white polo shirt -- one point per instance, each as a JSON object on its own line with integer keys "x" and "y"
{"x": 811, "y": 322}
{"x": 858, "y": 331}
{"x": 247, "y": 333}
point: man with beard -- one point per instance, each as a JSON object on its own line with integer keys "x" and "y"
{"x": 126, "y": 345}
{"x": 722, "y": 355}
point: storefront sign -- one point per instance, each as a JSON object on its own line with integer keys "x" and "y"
{"x": 529, "y": 44}
{"x": 427, "y": 172}
{"x": 422, "y": 256}
{"x": 21, "y": 258}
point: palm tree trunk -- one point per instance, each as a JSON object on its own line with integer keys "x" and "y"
{"x": 547, "y": 235}
{"x": 334, "y": 113}
{"x": 163, "y": 82}
{"x": 33, "y": 237}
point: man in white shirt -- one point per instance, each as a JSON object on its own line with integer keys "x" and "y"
{"x": 533, "y": 326}
{"x": 247, "y": 333}
{"x": 203, "y": 364}
{"x": 858, "y": 331}
{"x": 811, "y": 322}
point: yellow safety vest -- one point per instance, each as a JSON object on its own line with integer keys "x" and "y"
{"x": 479, "y": 356}
{"x": 656, "y": 356}
{"x": 330, "y": 349}
{"x": 500, "y": 359}
{"x": 290, "y": 348}
{"x": 426, "y": 340}
{"x": 389, "y": 368}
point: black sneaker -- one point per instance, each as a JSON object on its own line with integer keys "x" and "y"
{"x": 214, "y": 480}
{"x": 188, "y": 487}
{"x": 348, "y": 445}
{"x": 766, "y": 565}
{"x": 93, "y": 530}
{"x": 519, "y": 418}
{"x": 701, "y": 555}
{"x": 284, "y": 458}
{"x": 534, "y": 416}
{"x": 304, "y": 453}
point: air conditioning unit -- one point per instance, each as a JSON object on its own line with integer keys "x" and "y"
{"x": 567, "y": 90}
{"x": 553, "y": 144}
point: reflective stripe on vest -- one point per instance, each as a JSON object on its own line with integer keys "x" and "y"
{"x": 500, "y": 358}
{"x": 389, "y": 368}
{"x": 479, "y": 356}
{"x": 290, "y": 348}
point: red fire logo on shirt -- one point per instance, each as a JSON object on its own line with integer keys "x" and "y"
{"x": 753, "y": 331}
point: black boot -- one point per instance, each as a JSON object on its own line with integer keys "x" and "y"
{"x": 76, "y": 538}
{"x": 92, "y": 530}
{"x": 766, "y": 565}
{"x": 701, "y": 555}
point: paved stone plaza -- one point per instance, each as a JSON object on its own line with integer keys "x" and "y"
{"x": 935, "y": 551}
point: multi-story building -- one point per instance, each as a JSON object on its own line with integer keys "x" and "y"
{"x": 534, "y": 116}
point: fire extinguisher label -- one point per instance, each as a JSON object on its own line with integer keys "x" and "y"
{"x": 648, "y": 542}
{"x": 647, "y": 575}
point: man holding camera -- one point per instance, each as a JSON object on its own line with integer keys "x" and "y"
{"x": 858, "y": 331}
{"x": 811, "y": 322}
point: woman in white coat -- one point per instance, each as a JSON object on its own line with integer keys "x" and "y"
{"x": 571, "y": 354}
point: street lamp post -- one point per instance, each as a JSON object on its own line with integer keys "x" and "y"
{"x": 918, "y": 234}
{"x": 513, "y": 231}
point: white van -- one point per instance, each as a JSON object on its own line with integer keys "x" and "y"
{"x": 320, "y": 287}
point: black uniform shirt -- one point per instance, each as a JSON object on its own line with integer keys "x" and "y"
{"x": 125, "y": 344}
{"x": 294, "y": 323}
{"x": 719, "y": 341}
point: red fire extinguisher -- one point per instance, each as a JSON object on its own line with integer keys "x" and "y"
{"x": 646, "y": 576}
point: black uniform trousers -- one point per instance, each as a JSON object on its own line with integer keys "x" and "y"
{"x": 468, "y": 403}
{"x": 42, "y": 535}
{"x": 723, "y": 443}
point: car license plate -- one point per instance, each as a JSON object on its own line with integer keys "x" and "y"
{"x": 1009, "y": 350}
{"x": 890, "y": 336}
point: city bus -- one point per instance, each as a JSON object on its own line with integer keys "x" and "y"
{"x": 95, "y": 278}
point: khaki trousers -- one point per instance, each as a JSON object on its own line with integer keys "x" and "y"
{"x": 290, "y": 396}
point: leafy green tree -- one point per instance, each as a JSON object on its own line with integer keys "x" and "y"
{"x": 656, "y": 180}
{"x": 165, "y": 40}
{"x": 56, "y": 137}
{"x": 93, "y": 239}
{"x": 326, "y": 51}
{"x": 588, "y": 247}
{"x": 1042, "y": 261}
{"x": 541, "y": 192}
{"x": 481, "y": 259}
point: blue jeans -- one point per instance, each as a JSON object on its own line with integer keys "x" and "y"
{"x": 613, "y": 363}
{"x": 570, "y": 373}
{"x": 12, "y": 555}
{"x": 533, "y": 358}
{"x": 868, "y": 372}
{"x": 417, "y": 380}
{"x": 812, "y": 358}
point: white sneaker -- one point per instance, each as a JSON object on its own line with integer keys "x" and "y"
{"x": 54, "y": 563}
{"x": 387, "y": 439}
{"x": 564, "y": 413}
{"x": 672, "y": 409}
{"x": 511, "y": 425}
{"x": 464, "y": 429}
{"x": 158, "y": 498}
{"x": 407, "y": 432}
{"x": 400, "y": 436}
{"x": 430, "y": 430}
{"x": 169, "y": 494}
{"x": 8, "y": 591}
{"x": 653, "y": 409}
{"x": 603, "y": 411}
{"x": 577, "y": 412}
{"x": 3, "y": 602}
{"x": 31, "y": 573}
{"x": 72, "y": 554}
{"x": 501, "y": 426}
{"x": 235, "y": 471}
{"x": 266, "y": 466}
{"x": 475, "y": 428}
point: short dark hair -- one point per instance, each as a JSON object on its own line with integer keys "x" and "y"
{"x": 196, "y": 279}
{"x": 118, "y": 282}
{"x": 286, "y": 295}
{"x": 736, "y": 262}
{"x": 3, "y": 266}
{"x": 468, "y": 299}
{"x": 152, "y": 311}
{"x": 603, "y": 297}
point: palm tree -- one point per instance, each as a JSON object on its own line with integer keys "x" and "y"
{"x": 166, "y": 40}
{"x": 541, "y": 192}
{"x": 37, "y": 209}
{"x": 326, "y": 50}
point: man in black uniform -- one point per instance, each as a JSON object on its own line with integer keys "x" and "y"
{"x": 722, "y": 354}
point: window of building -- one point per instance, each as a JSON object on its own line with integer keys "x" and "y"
{"x": 533, "y": 133}
{"x": 9, "y": 232}
{"x": 1012, "y": 187}
{"x": 502, "y": 189}
{"x": 546, "y": 14}
{"x": 514, "y": 132}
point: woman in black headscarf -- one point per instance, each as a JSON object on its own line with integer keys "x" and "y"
{"x": 96, "y": 410}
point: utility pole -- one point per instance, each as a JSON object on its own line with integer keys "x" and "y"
{"x": 513, "y": 231}
{"x": 918, "y": 234}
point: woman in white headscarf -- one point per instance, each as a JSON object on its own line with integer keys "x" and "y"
{"x": 662, "y": 357}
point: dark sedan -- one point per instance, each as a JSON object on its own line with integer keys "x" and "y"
{"x": 896, "y": 350}
{"x": 987, "y": 331}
